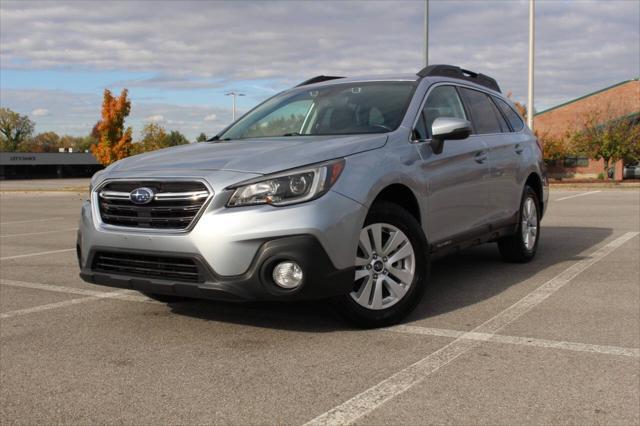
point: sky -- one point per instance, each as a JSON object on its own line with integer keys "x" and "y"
{"x": 178, "y": 58}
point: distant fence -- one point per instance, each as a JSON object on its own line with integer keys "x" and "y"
{"x": 28, "y": 165}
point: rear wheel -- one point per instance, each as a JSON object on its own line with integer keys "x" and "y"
{"x": 391, "y": 268}
{"x": 521, "y": 247}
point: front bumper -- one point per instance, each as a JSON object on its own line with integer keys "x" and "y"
{"x": 321, "y": 278}
{"x": 235, "y": 250}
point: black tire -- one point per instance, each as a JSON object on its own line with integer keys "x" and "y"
{"x": 392, "y": 214}
{"x": 166, "y": 298}
{"x": 513, "y": 247}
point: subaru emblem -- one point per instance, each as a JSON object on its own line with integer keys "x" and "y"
{"x": 141, "y": 195}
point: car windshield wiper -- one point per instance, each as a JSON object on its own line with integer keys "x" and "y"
{"x": 219, "y": 140}
{"x": 293, "y": 134}
{"x": 216, "y": 138}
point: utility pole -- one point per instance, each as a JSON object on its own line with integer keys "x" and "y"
{"x": 532, "y": 18}
{"x": 234, "y": 95}
{"x": 426, "y": 33}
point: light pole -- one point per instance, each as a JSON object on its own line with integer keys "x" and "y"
{"x": 234, "y": 95}
{"x": 532, "y": 18}
{"x": 426, "y": 33}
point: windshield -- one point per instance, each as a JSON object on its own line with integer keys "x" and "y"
{"x": 338, "y": 109}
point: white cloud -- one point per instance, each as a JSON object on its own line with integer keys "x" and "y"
{"x": 210, "y": 117}
{"x": 40, "y": 112}
{"x": 581, "y": 46}
{"x": 156, "y": 118}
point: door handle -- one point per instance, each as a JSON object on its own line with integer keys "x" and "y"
{"x": 481, "y": 157}
{"x": 519, "y": 149}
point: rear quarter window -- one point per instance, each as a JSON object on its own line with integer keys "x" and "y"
{"x": 512, "y": 116}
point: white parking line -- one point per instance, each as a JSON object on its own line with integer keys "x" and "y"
{"x": 578, "y": 195}
{"x": 106, "y": 295}
{"x": 31, "y": 221}
{"x": 132, "y": 295}
{"x": 38, "y": 233}
{"x": 372, "y": 398}
{"x": 40, "y": 253}
{"x": 516, "y": 340}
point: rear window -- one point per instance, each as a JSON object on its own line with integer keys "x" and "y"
{"x": 513, "y": 117}
{"x": 484, "y": 114}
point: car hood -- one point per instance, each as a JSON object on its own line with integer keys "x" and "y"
{"x": 261, "y": 155}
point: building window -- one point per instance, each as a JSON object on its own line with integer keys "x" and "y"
{"x": 576, "y": 162}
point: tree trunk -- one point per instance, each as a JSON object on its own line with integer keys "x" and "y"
{"x": 607, "y": 161}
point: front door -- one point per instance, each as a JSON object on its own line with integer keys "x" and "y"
{"x": 456, "y": 178}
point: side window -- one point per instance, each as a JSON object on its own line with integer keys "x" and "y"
{"x": 420, "y": 131}
{"x": 375, "y": 117}
{"x": 504, "y": 127}
{"x": 484, "y": 113}
{"x": 514, "y": 118}
{"x": 443, "y": 101}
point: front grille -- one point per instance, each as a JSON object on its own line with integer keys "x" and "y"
{"x": 162, "y": 267}
{"x": 174, "y": 205}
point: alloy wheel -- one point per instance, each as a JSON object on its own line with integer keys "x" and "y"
{"x": 529, "y": 223}
{"x": 385, "y": 266}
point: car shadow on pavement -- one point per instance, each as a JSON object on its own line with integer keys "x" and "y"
{"x": 456, "y": 281}
{"x": 479, "y": 273}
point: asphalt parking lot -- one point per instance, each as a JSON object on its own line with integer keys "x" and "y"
{"x": 553, "y": 341}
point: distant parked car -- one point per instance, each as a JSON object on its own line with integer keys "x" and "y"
{"x": 631, "y": 171}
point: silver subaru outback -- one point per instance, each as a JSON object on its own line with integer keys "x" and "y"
{"x": 340, "y": 188}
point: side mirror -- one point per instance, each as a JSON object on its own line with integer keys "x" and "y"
{"x": 448, "y": 128}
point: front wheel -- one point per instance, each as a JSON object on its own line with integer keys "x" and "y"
{"x": 521, "y": 247}
{"x": 391, "y": 268}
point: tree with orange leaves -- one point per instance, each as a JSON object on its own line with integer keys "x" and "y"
{"x": 115, "y": 140}
{"x": 522, "y": 110}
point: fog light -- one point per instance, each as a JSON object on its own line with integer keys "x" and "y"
{"x": 287, "y": 274}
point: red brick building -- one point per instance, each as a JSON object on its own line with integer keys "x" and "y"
{"x": 619, "y": 100}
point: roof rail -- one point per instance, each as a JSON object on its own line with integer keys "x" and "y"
{"x": 318, "y": 79}
{"x": 457, "y": 72}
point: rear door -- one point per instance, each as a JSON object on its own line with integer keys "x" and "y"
{"x": 503, "y": 158}
{"x": 456, "y": 178}
{"x": 510, "y": 158}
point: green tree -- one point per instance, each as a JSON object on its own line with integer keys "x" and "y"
{"x": 153, "y": 137}
{"x": 78, "y": 143}
{"x": 42, "y": 142}
{"x": 201, "y": 137}
{"x": 608, "y": 139}
{"x": 14, "y": 129}
{"x": 556, "y": 147}
{"x": 175, "y": 138}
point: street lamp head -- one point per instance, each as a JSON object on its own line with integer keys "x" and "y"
{"x": 234, "y": 95}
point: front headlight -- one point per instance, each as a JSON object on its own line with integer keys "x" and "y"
{"x": 294, "y": 186}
